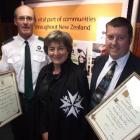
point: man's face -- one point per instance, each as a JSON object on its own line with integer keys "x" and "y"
{"x": 24, "y": 20}
{"x": 118, "y": 41}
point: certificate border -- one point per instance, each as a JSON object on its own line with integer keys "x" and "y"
{"x": 19, "y": 112}
{"x": 99, "y": 107}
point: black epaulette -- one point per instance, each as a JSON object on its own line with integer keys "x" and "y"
{"x": 41, "y": 38}
{"x": 7, "y": 41}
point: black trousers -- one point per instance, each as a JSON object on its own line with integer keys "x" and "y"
{"x": 23, "y": 126}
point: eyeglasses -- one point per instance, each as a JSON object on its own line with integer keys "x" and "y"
{"x": 27, "y": 18}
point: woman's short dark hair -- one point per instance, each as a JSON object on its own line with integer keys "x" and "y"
{"x": 59, "y": 37}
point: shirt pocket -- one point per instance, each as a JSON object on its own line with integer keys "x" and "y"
{"x": 14, "y": 62}
{"x": 39, "y": 58}
{"x": 38, "y": 61}
{"x": 14, "y": 59}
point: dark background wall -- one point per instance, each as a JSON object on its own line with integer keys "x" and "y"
{"x": 7, "y": 8}
{"x": 7, "y": 27}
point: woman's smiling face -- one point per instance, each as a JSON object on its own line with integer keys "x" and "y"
{"x": 58, "y": 53}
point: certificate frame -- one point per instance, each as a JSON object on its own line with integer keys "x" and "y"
{"x": 116, "y": 118}
{"x": 10, "y": 107}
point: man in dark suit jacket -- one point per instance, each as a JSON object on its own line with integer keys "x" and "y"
{"x": 119, "y": 34}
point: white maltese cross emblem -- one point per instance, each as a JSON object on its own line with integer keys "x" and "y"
{"x": 71, "y": 104}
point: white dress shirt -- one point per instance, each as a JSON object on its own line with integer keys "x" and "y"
{"x": 121, "y": 62}
{"x": 13, "y": 58}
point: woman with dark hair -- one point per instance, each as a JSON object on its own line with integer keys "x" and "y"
{"x": 63, "y": 92}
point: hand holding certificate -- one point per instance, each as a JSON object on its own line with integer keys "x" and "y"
{"x": 118, "y": 118}
{"x": 9, "y": 99}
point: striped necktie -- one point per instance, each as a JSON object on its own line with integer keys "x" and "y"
{"x": 104, "y": 84}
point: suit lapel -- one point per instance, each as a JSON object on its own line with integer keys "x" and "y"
{"x": 98, "y": 66}
{"x": 128, "y": 69}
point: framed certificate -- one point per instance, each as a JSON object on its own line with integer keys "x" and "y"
{"x": 118, "y": 117}
{"x": 9, "y": 99}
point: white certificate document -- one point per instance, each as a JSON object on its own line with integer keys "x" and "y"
{"x": 118, "y": 118}
{"x": 9, "y": 100}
